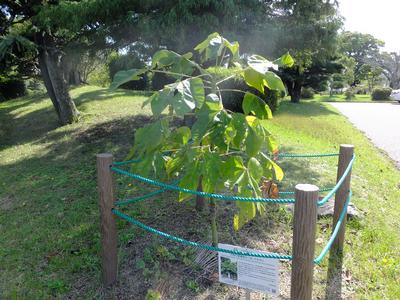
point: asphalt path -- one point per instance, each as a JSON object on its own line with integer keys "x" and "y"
{"x": 379, "y": 121}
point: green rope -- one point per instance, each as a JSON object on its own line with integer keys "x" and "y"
{"x": 126, "y": 162}
{"x": 144, "y": 197}
{"x": 288, "y": 155}
{"x": 335, "y": 231}
{"x": 338, "y": 184}
{"x": 141, "y": 198}
{"x": 165, "y": 187}
{"x": 198, "y": 245}
{"x": 200, "y": 193}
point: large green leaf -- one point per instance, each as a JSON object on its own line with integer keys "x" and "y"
{"x": 229, "y": 135}
{"x": 183, "y": 95}
{"x": 255, "y": 105}
{"x": 180, "y": 64}
{"x": 215, "y": 46}
{"x": 180, "y": 136}
{"x": 183, "y": 101}
{"x": 261, "y": 80}
{"x": 254, "y": 168}
{"x": 254, "y": 79}
{"x": 232, "y": 168}
{"x": 247, "y": 211}
{"x": 285, "y": 60}
{"x": 196, "y": 87}
{"x": 150, "y": 137}
{"x": 204, "y": 117}
{"x": 211, "y": 171}
{"x": 240, "y": 124}
{"x": 159, "y": 101}
{"x": 260, "y": 64}
{"x": 268, "y": 163}
{"x": 175, "y": 163}
{"x": 122, "y": 77}
{"x": 274, "y": 82}
{"x": 253, "y": 143}
{"x": 258, "y": 75}
{"x": 189, "y": 181}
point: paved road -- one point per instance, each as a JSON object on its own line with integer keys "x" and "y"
{"x": 379, "y": 121}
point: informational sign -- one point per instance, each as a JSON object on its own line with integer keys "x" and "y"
{"x": 259, "y": 274}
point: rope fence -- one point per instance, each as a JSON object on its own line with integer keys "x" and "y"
{"x": 165, "y": 187}
{"x": 303, "y": 234}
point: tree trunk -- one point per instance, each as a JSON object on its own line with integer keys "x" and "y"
{"x": 53, "y": 77}
{"x": 295, "y": 92}
{"x": 200, "y": 201}
{"x": 213, "y": 214}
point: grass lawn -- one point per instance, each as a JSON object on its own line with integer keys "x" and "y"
{"x": 342, "y": 98}
{"x": 49, "y": 216}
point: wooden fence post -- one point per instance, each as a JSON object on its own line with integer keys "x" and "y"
{"x": 305, "y": 220}
{"x": 345, "y": 156}
{"x": 109, "y": 254}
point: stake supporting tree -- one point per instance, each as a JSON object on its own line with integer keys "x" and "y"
{"x": 305, "y": 221}
{"x": 109, "y": 251}
{"x": 345, "y": 156}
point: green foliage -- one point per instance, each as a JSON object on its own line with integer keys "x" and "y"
{"x": 11, "y": 88}
{"x": 100, "y": 76}
{"x": 381, "y": 93}
{"x": 233, "y": 89}
{"x": 308, "y": 29}
{"x": 117, "y": 62}
{"x": 350, "y": 93}
{"x": 153, "y": 295}
{"x": 225, "y": 148}
{"x": 193, "y": 285}
{"x": 360, "y": 48}
{"x": 307, "y": 93}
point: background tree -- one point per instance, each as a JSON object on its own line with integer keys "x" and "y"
{"x": 363, "y": 48}
{"x": 390, "y": 66}
{"x": 372, "y": 74}
{"x": 308, "y": 29}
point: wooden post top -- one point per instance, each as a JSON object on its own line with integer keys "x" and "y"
{"x": 104, "y": 155}
{"x": 301, "y": 187}
{"x": 346, "y": 146}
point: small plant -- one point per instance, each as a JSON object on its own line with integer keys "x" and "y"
{"x": 381, "y": 93}
{"x": 193, "y": 285}
{"x": 153, "y": 295}
{"x": 350, "y": 93}
{"x": 223, "y": 149}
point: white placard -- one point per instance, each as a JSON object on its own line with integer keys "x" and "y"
{"x": 259, "y": 274}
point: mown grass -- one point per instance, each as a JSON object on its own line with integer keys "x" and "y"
{"x": 342, "y": 98}
{"x": 48, "y": 199}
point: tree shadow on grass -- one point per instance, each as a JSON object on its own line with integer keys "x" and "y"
{"x": 105, "y": 93}
{"x": 19, "y": 126}
{"x": 305, "y": 108}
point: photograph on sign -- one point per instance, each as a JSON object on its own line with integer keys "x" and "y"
{"x": 255, "y": 273}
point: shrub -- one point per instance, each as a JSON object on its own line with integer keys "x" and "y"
{"x": 350, "y": 93}
{"x": 12, "y": 88}
{"x": 361, "y": 90}
{"x": 100, "y": 76}
{"x": 307, "y": 93}
{"x": 381, "y": 93}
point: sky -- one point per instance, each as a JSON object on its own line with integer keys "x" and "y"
{"x": 381, "y": 18}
